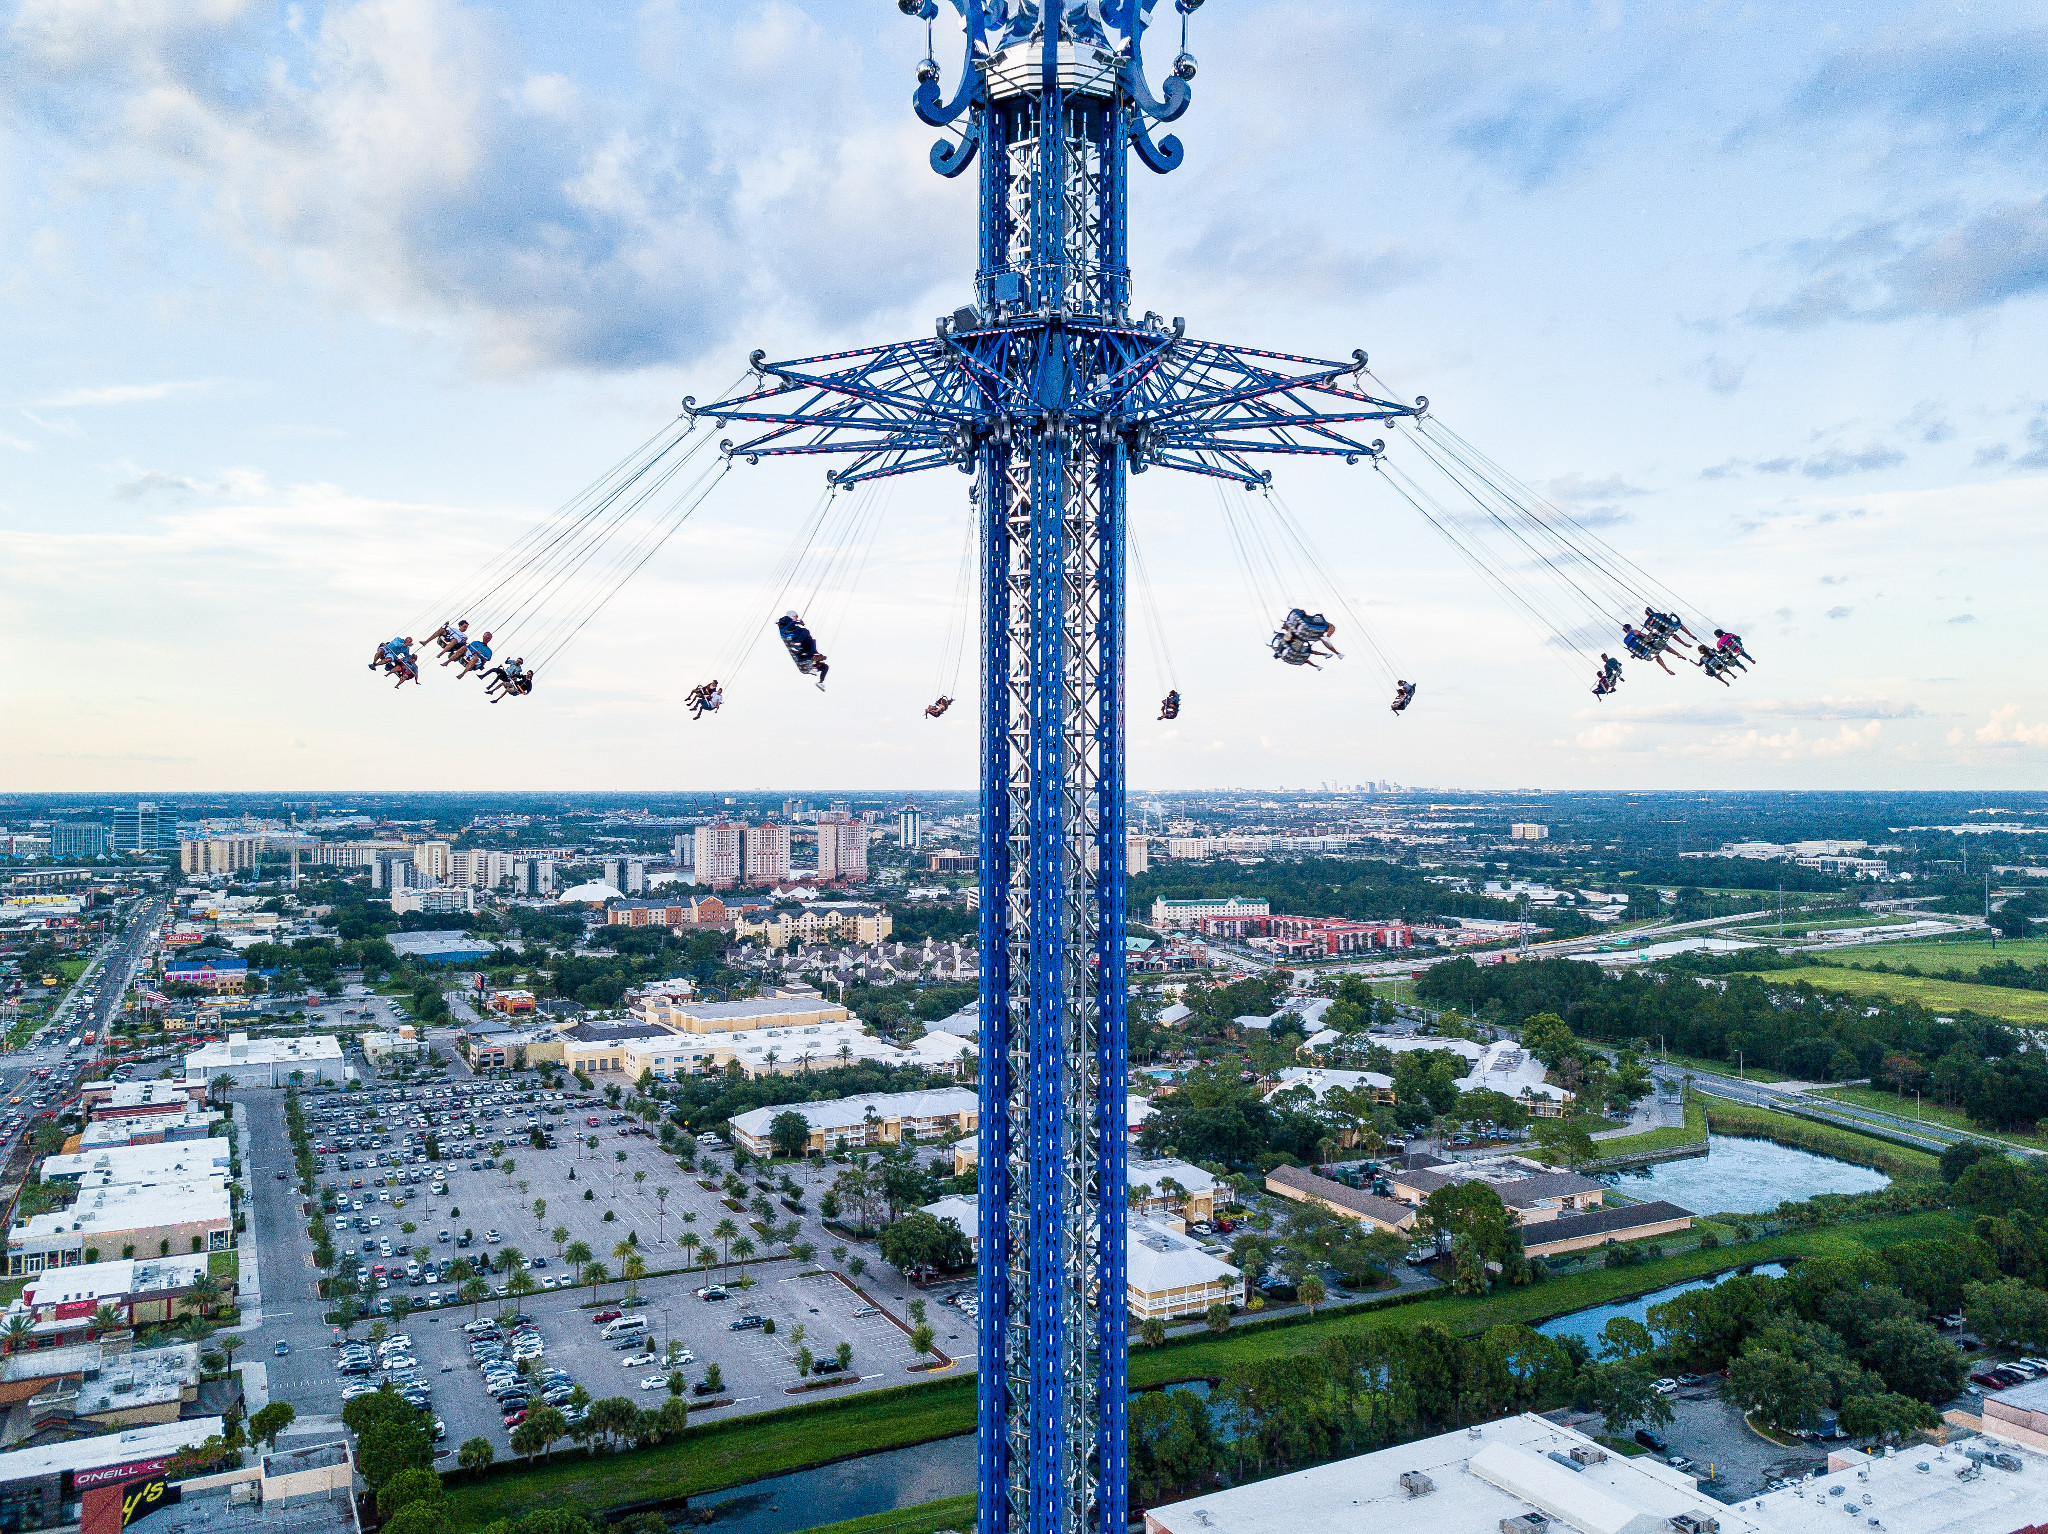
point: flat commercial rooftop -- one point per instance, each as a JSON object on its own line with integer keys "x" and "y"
{"x": 1471, "y": 1481}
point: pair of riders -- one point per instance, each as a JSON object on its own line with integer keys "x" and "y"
{"x": 803, "y": 649}
{"x": 1608, "y": 677}
{"x": 934, "y": 710}
{"x": 1169, "y": 706}
{"x": 511, "y": 680}
{"x": 705, "y": 699}
{"x": 458, "y": 649}
{"x": 1404, "y": 694}
{"x": 395, "y": 658}
{"x": 1300, "y": 633}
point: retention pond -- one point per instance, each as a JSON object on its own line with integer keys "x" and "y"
{"x": 1746, "y": 1177}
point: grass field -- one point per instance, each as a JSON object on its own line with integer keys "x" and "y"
{"x": 71, "y": 969}
{"x": 1968, "y": 957}
{"x": 1948, "y": 1118}
{"x": 1948, "y": 996}
{"x": 1901, "y": 1162}
{"x": 723, "y": 1454}
{"x": 925, "y": 1518}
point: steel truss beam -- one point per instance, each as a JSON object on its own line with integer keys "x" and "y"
{"x": 1049, "y": 395}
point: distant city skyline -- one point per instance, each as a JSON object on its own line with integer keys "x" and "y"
{"x": 312, "y": 310}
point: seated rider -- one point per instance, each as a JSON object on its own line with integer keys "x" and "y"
{"x": 1169, "y": 706}
{"x": 933, "y": 710}
{"x": 1670, "y": 623}
{"x": 453, "y": 638}
{"x": 1314, "y": 628}
{"x": 392, "y": 653}
{"x": 1603, "y": 683}
{"x": 1404, "y": 694}
{"x": 1295, "y": 651}
{"x": 803, "y": 649}
{"x": 511, "y": 680}
{"x": 1644, "y": 647}
{"x": 476, "y": 655}
{"x": 1730, "y": 645}
{"x": 699, "y": 701}
{"x": 1610, "y": 668}
{"x": 1710, "y": 662}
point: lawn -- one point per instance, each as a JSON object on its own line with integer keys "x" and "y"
{"x": 1720, "y": 1067}
{"x": 71, "y": 969}
{"x": 925, "y": 1518}
{"x": 1947, "y": 1118}
{"x": 1966, "y": 956}
{"x": 1936, "y": 995}
{"x": 740, "y": 1449}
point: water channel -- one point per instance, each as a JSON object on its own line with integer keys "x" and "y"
{"x": 1586, "y": 1324}
{"x": 1746, "y": 1177}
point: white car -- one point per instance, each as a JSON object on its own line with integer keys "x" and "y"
{"x": 1664, "y": 1387}
{"x": 638, "y": 1360}
{"x": 655, "y": 1382}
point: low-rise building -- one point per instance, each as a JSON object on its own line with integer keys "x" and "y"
{"x": 1616, "y": 1222}
{"x": 492, "y": 1048}
{"x": 840, "y": 921}
{"x": 401, "y": 1043}
{"x": 441, "y": 947}
{"x": 174, "y": 1097}
{"x": 123, "y": 1220}
{"x": 41, "y": 1487}
{"x": 173, "y": 1161}
{"x": 1174, "y": 1187}
{"x": 683, "y": 1015}
{"x": 269, "y": 1062}
{"x": 1527, "y": 1474}
{"x": 876, "y": 1119}
{"x": 1167, "y": 1274}
{"x": 62, "y": 1302}
{"x": 1339, "y": 1198}
{"x": 195, "y": 1123}
{"x": 1534, "y": 1192}
{"x": 1189, "y": 913}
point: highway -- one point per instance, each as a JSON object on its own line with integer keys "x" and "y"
{"x": 91, "y": 1004}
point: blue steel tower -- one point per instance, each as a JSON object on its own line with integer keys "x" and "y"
{"x": 1050, "y": 394}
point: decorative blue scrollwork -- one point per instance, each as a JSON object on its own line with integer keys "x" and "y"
{"x": 949, "y": 158}
{"x": 1164, "y": 156}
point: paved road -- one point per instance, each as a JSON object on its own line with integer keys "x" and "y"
{"x": 1797, "y": 1097}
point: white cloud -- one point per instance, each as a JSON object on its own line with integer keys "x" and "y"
{"x": 122, "y": 394}
{"x": 1793, "y": 744}
{"x": 2003, "y": 728}
{"x": 1604, "y": 737}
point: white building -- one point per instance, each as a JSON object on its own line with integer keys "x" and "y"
{"x": 1187, "y": 913}
{"x": 1527, "y": 1474}
{"x": 1167, "y": 1274}
{"x": 717, "y": 856}
{"x": 842, "y": 847}
{"x": 124, "y": 1220}
{"x": 173, "y": 1161}
{"x": 269, "y": 1062}
{"x": 765, "y": 853}
{"x": 453, "y": 901}
{"x": 877, "y": 1119}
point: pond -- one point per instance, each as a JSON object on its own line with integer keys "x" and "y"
{"x": 1587, "y": 1324}
{"x": 1746, "y": 1177}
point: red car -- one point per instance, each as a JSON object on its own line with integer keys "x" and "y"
{"x": 609, "y": 1313}
{"x": 516, "y": 1418}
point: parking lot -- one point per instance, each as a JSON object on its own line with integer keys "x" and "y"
{"x": 494, "y": 1176}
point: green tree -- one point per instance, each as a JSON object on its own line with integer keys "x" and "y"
{"x": 272, "y": 1420}
{"x": 1627, "y": 1399}
{"x": 2007, "y": 1314}
{"x": 1622, "y": 1338}
{"x": 790, "y": 1133}
{"x": 925, "y": 1240}
{"x": 1218, "y": 1318}
{"x": 406, "y": 1488}
{"x": 1913, "y": 1359}
{"x": 1782, "y": 1390}
{"x": 476, "y": 1454}
{"x": 1152, "y": 1332}
{"x": 1885, "y": 1415}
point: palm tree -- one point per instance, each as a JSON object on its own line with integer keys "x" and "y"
{"x": 476, "y": 1291}
{"x": 596, "y": 1273}
{"x": 726, "y": 1232}
{"x": 660, "y": 1212}
{"x": 558, "y": 1235}
{"x": 217, "y": 1090}
{"x": 577, "y": 1253}
{"x": 206, "y": 1293}
{"x": 634, "y": 1270}
{"x": 227, "y": 1343}
{"x": 508, "y": 1259}
{"x": 105, "y": 1319}
{"x": 16, "y": 1332}
{"x": 689, "y": 1243}
{"x": 743, "y": 1248}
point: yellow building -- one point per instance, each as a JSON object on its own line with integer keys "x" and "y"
{"x": 835, "y": 921}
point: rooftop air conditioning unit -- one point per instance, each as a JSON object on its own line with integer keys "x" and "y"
{"x": 1695, "y": 1523}
{"x": 1416, "y": 1484}
{"x": 1586, "y": 1454}
{"x": 1528, "y": 1523}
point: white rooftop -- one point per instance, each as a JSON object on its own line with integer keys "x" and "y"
{"x": 1157, "y": 1258}
{"x": 846, "y": 1112}
{"x": 123, "y": 1131}
{"x": 1318, "y": 1082}
{"x": 142, "y": 1443}
{"x": 240, "y": 1049}
{"x": 1510, "y": 1468}
{"x": 171, "y": 1161}
{"x": 128, "y": 1206}
{"x": 96, "y": 1281}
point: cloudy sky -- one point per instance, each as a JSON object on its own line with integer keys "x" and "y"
{"x": 310, "y": 309}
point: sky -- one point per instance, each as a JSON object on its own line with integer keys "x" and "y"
{"x": 307, "y": 311}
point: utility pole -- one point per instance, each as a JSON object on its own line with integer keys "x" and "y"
{"x": 1048, "y": 392}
